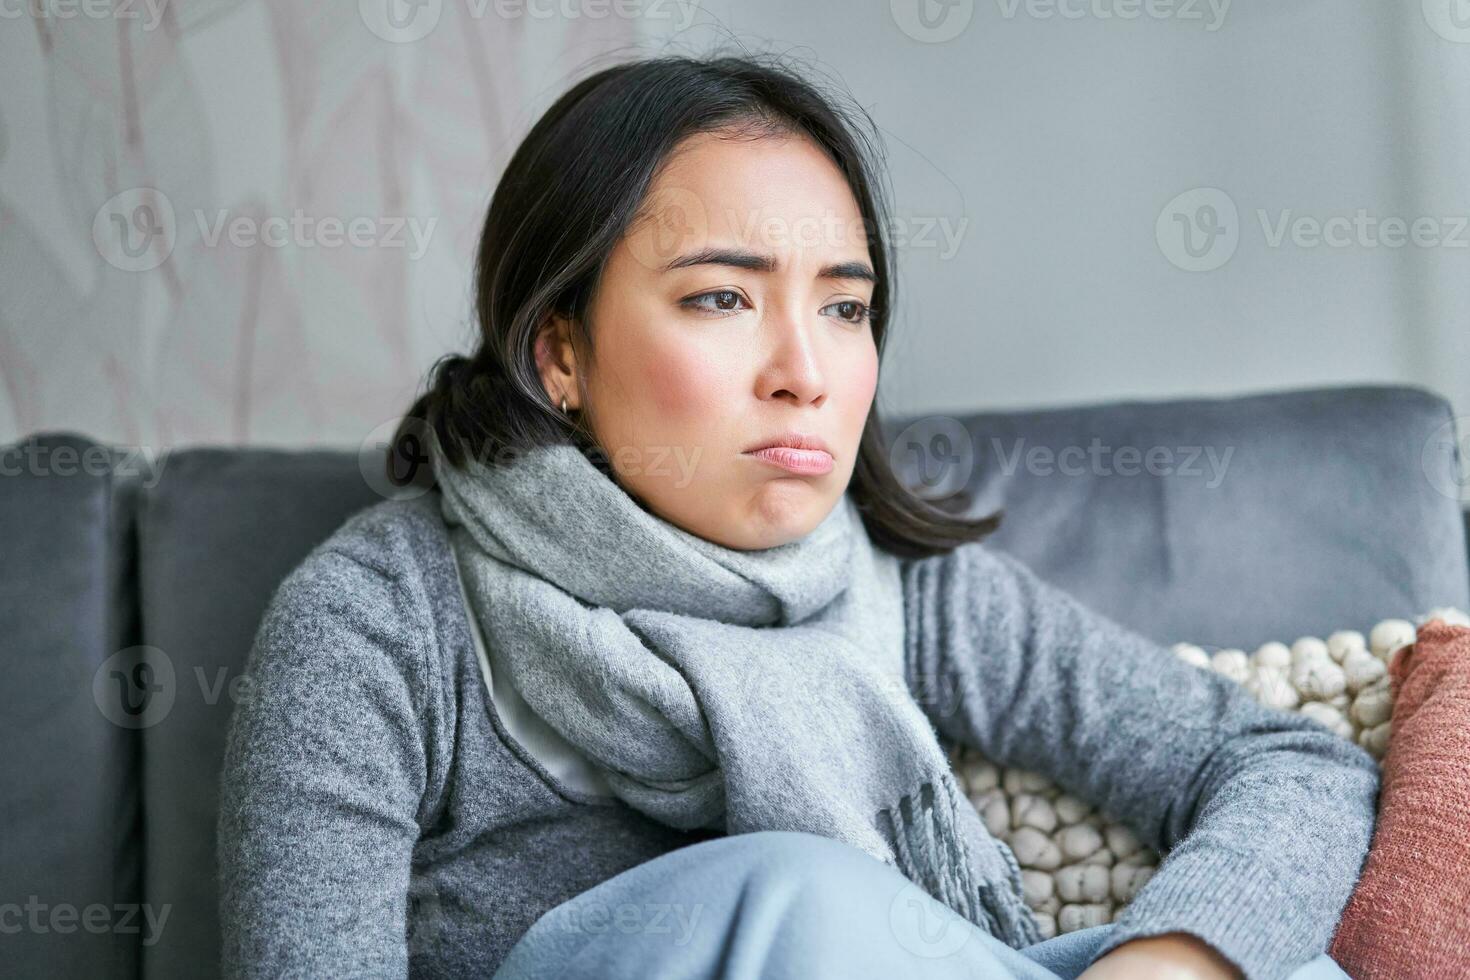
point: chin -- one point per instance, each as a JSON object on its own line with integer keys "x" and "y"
{"x": 779, "y": 514}
{"x": 778, "y": 511}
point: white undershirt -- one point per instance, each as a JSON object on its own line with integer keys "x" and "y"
{"x": 544, "y": 743}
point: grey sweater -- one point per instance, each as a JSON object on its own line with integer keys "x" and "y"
{"x": 376, "y": 818}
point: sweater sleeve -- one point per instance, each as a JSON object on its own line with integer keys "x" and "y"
{"x": 1263, "y": 817}
{"x": 325, "y": 768}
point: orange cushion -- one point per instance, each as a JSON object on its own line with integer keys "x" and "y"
{"x": 1409, "y": 916}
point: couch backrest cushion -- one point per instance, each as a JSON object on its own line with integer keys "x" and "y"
{"x": 217, "y": 535}
{"x": 1220, "y": 521}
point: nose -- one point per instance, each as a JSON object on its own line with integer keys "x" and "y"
{"x": 792, "y": 370}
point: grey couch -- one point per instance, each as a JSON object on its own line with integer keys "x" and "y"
{"x": 1319, "y": 509}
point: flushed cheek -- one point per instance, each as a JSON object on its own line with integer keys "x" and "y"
{"x": 684, "y": 388}
{"x": 866, "y": 374}
{"x": 862, "y": 385}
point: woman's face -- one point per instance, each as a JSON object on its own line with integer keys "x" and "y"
{"x": 732, "y": 316}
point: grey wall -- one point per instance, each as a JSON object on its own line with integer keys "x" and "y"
{"x": 1061, "y": 139}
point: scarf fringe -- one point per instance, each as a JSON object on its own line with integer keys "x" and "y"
{"x": 931, "y": 851}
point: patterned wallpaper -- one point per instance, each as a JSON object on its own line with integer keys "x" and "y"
{"x": 252, "y": 221}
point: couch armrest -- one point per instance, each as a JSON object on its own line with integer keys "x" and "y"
{"x": 68, "y": 760}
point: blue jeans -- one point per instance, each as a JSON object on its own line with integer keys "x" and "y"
{"x": 780, "y": 904}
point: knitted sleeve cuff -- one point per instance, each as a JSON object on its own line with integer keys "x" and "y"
{"x": 1234, "y": 905}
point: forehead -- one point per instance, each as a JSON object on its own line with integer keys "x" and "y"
{"x": 776, "y": 193}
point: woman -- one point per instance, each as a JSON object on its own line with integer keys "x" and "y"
{"x": 653, "y": 681}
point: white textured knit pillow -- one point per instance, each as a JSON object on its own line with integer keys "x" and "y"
{"x": 1080, "y": 869}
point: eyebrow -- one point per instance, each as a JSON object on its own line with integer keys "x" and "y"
{"x": 757, "y": 262}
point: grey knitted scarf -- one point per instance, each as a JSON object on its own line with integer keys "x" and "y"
{"x": 717, "y": 688}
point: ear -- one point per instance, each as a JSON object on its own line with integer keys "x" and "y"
{"x": 556, "y": 360}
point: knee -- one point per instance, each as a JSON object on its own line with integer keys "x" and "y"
{"x": 806, "y": 865}
{"x": 794, "y": 850}
{"x": 840, "y": 904}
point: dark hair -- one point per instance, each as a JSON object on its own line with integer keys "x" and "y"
{"x": 567, "y": 196}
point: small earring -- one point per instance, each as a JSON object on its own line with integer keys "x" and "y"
{"x": 564, "y": 404}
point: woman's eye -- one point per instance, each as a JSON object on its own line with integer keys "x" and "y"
{"x": 730, "y": 301}
{"x": 850, "y": 310}
{"x": 720, "y": 300}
